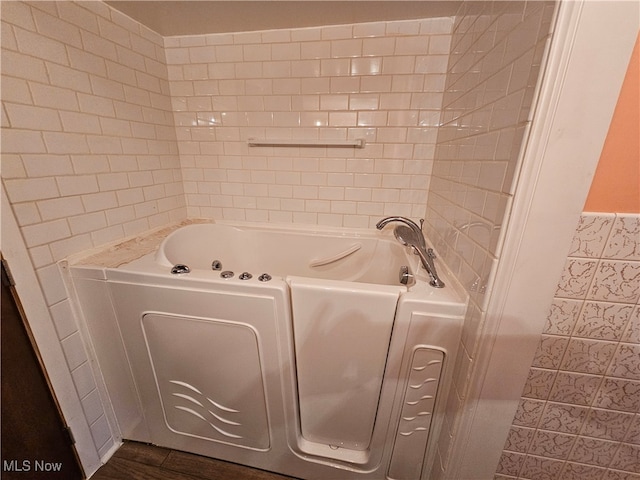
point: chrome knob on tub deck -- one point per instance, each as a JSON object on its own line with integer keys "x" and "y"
{"x": 216, "y": 265}
{"x": 180, "y": 269}
{"x": 227, "y": 274}
{"x": 405, "y": 276}
{"x": 245, "y": 276}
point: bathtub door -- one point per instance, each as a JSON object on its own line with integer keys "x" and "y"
{"x": 341, "y": 335}
{"x": 208, "y": 378}
{"x": 206, "y": 365}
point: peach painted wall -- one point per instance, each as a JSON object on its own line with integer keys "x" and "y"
{"x": 616, "y": 184}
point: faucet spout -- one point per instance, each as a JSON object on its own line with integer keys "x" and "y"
{"x": 407, "y": 221}
{"x": 415, "y": 238}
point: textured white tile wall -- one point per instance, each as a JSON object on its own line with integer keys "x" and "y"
{"x": 383, "y": 82}
{"x": 89, "y": 153}
{"x": 579, "y": 416}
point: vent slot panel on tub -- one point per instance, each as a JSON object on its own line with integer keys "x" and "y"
{"x": 417, "y": 414}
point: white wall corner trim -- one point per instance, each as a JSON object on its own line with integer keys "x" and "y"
{"x": 592, "y": 40}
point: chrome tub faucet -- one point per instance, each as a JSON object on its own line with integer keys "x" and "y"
{"x": 411, "y": 234}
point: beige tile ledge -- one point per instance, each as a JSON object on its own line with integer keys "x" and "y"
{"x": 128, "y": 250}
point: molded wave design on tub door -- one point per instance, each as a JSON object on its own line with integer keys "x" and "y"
{"x": 209, "y": 378}
{"x": 203, "y": 412}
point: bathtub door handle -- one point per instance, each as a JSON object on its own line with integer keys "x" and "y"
{"x": 334, "y": 258}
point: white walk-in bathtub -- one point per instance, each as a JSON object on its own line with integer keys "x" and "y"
{"x": 295, "y": 350}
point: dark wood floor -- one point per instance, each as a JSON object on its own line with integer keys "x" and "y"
{"x": 138, "y": 461}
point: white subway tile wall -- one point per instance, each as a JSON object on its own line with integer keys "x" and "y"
{"x": 89, "y": 152}
{"x": 579, "y": 416}
{"x": 89, "y": 127}
{"x": 493, "y": 70}
{"x": 382, "y": 82}
{"x": 490, "y": 83}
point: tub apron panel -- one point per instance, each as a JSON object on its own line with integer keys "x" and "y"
{"x": 209, "y": 365}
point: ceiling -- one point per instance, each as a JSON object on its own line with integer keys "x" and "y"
{"x": 170, "y": 18}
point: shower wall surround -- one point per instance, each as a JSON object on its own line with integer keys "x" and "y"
{"x": 382, "y": 82}
{"x": 89, "y": 148}
{"x": 579, "y": 416}
{"x": 493, "y": 71}
{"x": 89, "y": 151}
{"x": 491, "y": 80}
